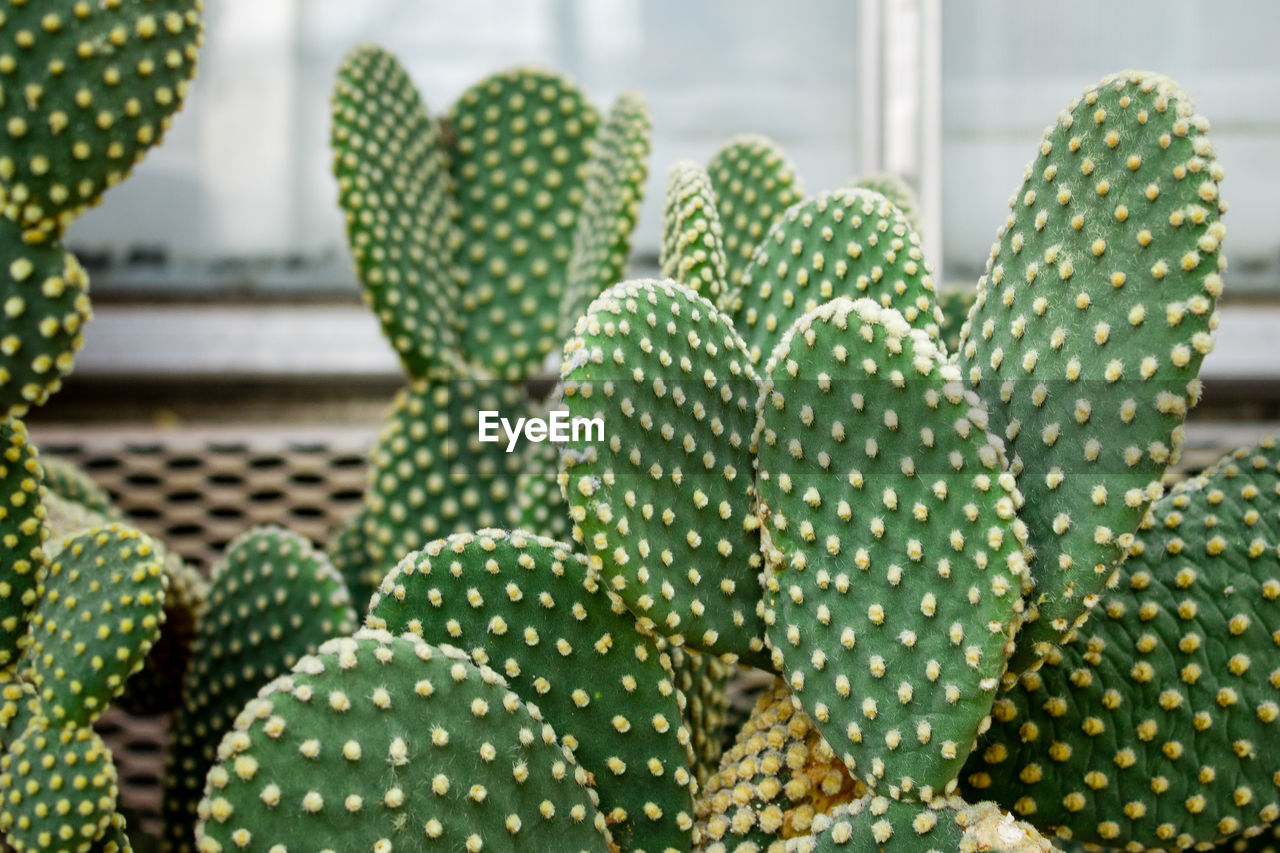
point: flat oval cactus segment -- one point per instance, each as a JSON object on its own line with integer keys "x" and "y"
{"x": 273, "y": 599}
{"x": 1153, "y": 728}
{"x": 44, "y": 291}
{"x": 849, "y": 242}
{"x": 393, "y": 187}
{"x": 778, "y": 776}
{"x": 704, "y": 681}
{"x": 894, "y": 558}
{"x": 692, "y": 239}
{"x": 1090, "y": 326}
{"x": 430, "y": 475}
{"x": 524, "y": 605}
{"x": 521, "y": 142}
{"x": 22, "y": 529}
{"x": 612, "y": 193}
{"x": 19, "y": 706}
{"x": 885, "y": 826}
{"x": 70, "y": 482}
{"x": 101, "y": 605}
{"x": 538, "y": 504}
{"x": 61, "y": 790}
{"x": 754, "y": 183}
{"x": 349, "y": 552}
{"x": 662, "y": 506}
{"x": 897, "y": 191}
{"x": 92, "y": 87}
{"x": 378, "y": 743}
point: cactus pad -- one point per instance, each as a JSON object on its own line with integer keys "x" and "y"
{"x": 692, "y": 240}
{"x": 1090, "y": 325}
{"x": 848, "y": 242}
{"x": 775, "y": 779}
{"x": 91, "y": 87}
{"x": 70, "y": 482}
{"x": 703, "y": 679}
{"x": 22, "y": 531}
{"x": 272, "y": 599}
{"x": 881, "y": 825}
{"x": 754, "y": 184}
{"x": 894, "y": 553}
{"x": 348, "y": 551}
{"x": 381, "y": 743}
{"x": 612, "y": 193}
{"x": 524, "y": 605}
{"x": 897, "y": 191}
{"x": 663, "y": 504}
{"x": 61, "y": 790}
{"x": 538, "y": 503}
{"x": 1155, "y": 727}
{"x": 394, "y": 190}
{"x": 430, "y": 475}
{"x": 44, "y": 292}
{"x": 522, "y": 140}
{"x": 100, "y": 611}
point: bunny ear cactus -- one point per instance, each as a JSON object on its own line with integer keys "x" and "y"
{"x": 72, "y": 483}
{"x": 348, "y": 551}
{"x": 378, "y": 743}
{"x": 1090, "y": 325}
{"x": 703, "y": 679}
{"x": 843, "y": 243}
{"x": 897, "y": 191}
{"x": 524, "y": 605}
{"x": 90, "y": 87}
{"x": 538, "y": 504}
{"x": 662, "y": 506}
{"x": 692, "y": 239}
{"x": 272, "y": 600}
{"x": 394, "y": 190}
{"x": 894, "y": 555}
{"x": 613, "y": 190}
{"x": 1153, "y": 728}
{"x": 778, "y": 776}
{"x": 754, "y": 183}
{"x": 22, "y": 531}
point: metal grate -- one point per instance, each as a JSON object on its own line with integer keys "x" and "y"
{"x": 197, "y": 489}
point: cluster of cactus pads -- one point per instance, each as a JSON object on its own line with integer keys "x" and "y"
{"x": 937, "y": 522}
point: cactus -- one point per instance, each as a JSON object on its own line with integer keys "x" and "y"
{"x": 1089, "y": 328}
{"x": 1151, "y": 729}
{"x": 692, "y": 239}
{"x": 72, "y": 483}
{"x": 897, "y": 191}
{"x": 754, "y": 184}
{"x": 538, "y": 504}
{"x": 894, "y": 559}
{"x": 800, "y": 264}
{"x": 272, "y": 600}
{"x": 703, "y": 679}
{"x": 378, "y": 742}
{"x": 664, "y": 514}
{"x": 887, "y": 826}
{"x": 525, "y": 606}
{"x": 954, "y": 305}
{"x": 776, "y": 778}
{"x": 348, "y": 551}
{"x": 91, "y": 89}
{"x": 475, "y": 234}
{"x": 22, "y": 529}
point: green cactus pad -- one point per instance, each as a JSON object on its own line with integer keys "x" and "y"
{"x": 1089, "y": 329}
{"x": 662, "y": 506}
{"x": 881, "y": 825}
{"x": 22, "y": 532}
{"x": 70, "y": 482}
{"x": 19, "y": 706}
{"x": 955, "y": 305}
{"x": 538, "y": 504}
{"x": 849, "y": 242}
{"x": 61, "y": 790}
{"x": 703, "y": 679}
{"x": 430, "y": 475}
{"x": 100, "y": 611}
{"x": 894, "y": 560}
{"x": 272, "y": 600}
{"x": 692, "y": 240}
{"x": 775, "y": 779}
{"x": 44, "y": 294}
{"x": 115, "y": 839}
{"x": 522, "y": 140}
{"x": 524, "y": 605}
{"x": 89, "y": 89}
{"x": 381, "y": 743}
{"x": 394, "y": 190}
{"x": 349, "y": 553}
{"x": 1155, "y": 726}
{"x": 754, "y": 184}
{"x": 612, "y": 193}
{"x": 897, "y": 191}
